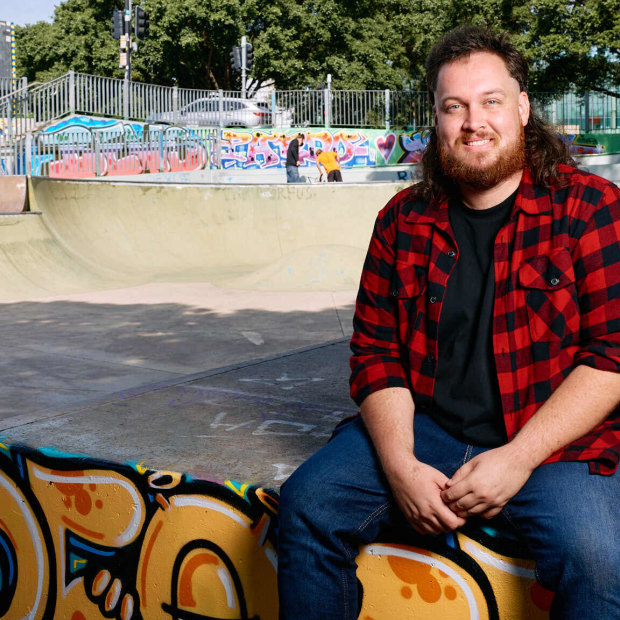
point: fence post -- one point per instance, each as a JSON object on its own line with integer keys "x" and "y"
{"x": 273, "y": 108}
{"x": 327, "y": 101}
{"x": 28, "y": 153}
{"x": 587, "y": 111}
{"x": 175, "y": 104}
{"x": 126, "y": 99}
{"x": 387, "y": 109}
{"x": 72, "y": 92}
{"x": 220, "y": 104}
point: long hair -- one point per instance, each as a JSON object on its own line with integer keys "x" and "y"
{"x": 544, "y": 149}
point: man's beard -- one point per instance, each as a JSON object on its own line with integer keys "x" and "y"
{"x": 510, "y": 160}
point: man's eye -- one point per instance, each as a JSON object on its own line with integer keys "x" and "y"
{"x": 453, "y": 107}
{"x": 492, "y": 101}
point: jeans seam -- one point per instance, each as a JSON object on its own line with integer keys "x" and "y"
{"x": 372, "y": 516}
{"x": 343, "y": 577}
{"x": 506, "y": 514}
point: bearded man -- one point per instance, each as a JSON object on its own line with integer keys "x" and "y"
{"x": 486, "y": 353}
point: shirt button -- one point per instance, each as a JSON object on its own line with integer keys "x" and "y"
{"x": 395, "y": 293}
{"x": 554, "y": 282}
{"x": 452, "y": 253}
{"x": 433, "y": 300}
{"x": 430, "y": 359}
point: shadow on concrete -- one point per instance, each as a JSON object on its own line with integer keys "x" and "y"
{"x": 246, "y": 394}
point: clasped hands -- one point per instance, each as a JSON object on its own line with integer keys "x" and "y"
{"x": 434, "y": 503}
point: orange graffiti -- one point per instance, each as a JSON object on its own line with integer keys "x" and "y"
{"x": 186, "y": 597}
{"x": 147, "y": 556}
{"x": 418, "y": 574}
{"x": 80, "y": 528}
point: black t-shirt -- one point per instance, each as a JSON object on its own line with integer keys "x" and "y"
{"x": 466, "y": 400}
{"x": 292, "y": 154}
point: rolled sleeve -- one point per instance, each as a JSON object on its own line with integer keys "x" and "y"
{"x": 376, "y": 361}
{"x": 597, "y": 272}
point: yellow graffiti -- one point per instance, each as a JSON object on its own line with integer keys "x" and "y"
{"x": 121, "y": 542}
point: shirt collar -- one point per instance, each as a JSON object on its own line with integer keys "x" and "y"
{"x": 531, "y": 199}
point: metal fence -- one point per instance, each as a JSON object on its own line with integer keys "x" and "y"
{"x": 27, "y": 110}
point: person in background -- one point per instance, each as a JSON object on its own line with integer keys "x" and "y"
{"x": 485, "y": 357}
{"x": 330, "y": 162}
{"x": 292, "y": 159}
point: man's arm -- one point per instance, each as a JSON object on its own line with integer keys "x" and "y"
{"x": 388, "y": 416}
{"x": 582, "y": 401}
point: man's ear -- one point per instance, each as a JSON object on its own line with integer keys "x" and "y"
{"x": 524, "y": 108}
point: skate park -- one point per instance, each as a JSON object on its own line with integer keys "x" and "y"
{"x": 175, "y": 344}
{"x": 172, "y": 353}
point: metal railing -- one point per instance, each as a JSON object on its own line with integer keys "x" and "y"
{"x": 27, "y": 110}
{"x": 9, "y": 84}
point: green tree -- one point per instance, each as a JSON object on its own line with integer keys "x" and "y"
{"x": 80, "y": 38}
{"x": 363, "y": 44}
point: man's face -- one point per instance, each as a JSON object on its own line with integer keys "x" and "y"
{"x": 480, "y": 114}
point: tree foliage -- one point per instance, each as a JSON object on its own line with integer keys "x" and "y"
{"x": 363, "y": 44}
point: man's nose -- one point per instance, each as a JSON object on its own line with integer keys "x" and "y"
{"x": 474, "y": 119}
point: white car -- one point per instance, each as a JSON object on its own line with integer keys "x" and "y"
{"x": 213, "y": 111}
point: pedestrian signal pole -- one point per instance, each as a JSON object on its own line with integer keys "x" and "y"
{"x": 243, "y": 66}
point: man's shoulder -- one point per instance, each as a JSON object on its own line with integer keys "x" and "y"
{"x": 582, "y": 186}
{"x": 406, "y": 202}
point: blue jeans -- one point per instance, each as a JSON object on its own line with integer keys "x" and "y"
{"x": 339, "y": 500}
{"x": 292, "y": 174}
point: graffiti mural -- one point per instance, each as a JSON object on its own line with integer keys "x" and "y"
{"x": 82, "y": 147}
{"x": 83, "y": 539}
{"x": 264, "y": 149}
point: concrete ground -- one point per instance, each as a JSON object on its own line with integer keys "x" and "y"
{"x": 198, "y": 328}
{"x": 187, "y": 377}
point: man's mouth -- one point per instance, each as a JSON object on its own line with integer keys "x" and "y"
{"x": 477, "y": 142}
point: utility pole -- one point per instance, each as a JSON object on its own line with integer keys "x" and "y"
{"x": 243, "y": 65}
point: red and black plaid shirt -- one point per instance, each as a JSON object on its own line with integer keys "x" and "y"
{"x": 557, "y": 301}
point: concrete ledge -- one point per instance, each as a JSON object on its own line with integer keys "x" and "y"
{"x": 86, "y": 538}
{"x": 13, "y": 194}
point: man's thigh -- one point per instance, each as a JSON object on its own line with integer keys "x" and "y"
{"x": 568, "y": 515}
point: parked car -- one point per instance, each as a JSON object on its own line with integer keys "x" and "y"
{"x": 208, "y": 111}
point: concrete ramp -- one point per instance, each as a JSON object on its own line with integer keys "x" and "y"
{"x": 89, "y": 235}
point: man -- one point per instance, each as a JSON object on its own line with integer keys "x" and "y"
{"x": 330, "y": 162}
{"x": 489, "y": 307}
{"x": 292, "y": 159}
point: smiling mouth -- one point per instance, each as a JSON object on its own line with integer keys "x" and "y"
{"x": 477, "y": 142}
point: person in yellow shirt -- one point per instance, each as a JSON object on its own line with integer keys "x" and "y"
{"x": 330, "y": 163}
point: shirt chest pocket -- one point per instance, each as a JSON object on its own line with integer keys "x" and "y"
{"x": 409, "y": 283}
{"x": 550, "y": 295}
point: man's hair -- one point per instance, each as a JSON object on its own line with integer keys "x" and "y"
{"x": 319, "y": 151}
{"x": 544, "y": 149}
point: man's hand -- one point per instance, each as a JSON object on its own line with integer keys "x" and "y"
{"x": 484, "y": 485}
{"x": 417, "y": 489}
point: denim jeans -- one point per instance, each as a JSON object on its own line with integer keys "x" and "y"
{"x": 292, "y": 174}
{"x": 339, "y": 500}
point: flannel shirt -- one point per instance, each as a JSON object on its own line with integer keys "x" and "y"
{"x": 557, "y": 301}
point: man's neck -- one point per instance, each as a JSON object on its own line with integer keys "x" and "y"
{"x": 476, "y": 198}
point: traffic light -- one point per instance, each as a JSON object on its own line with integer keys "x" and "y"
{"x": 118, "y": 20}
{"x": 249, "y": 56}
{"x": 235, "y": 58}
{"x": 141, "y": 23}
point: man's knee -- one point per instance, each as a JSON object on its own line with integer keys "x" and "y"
{"x": 582, "y": 556}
